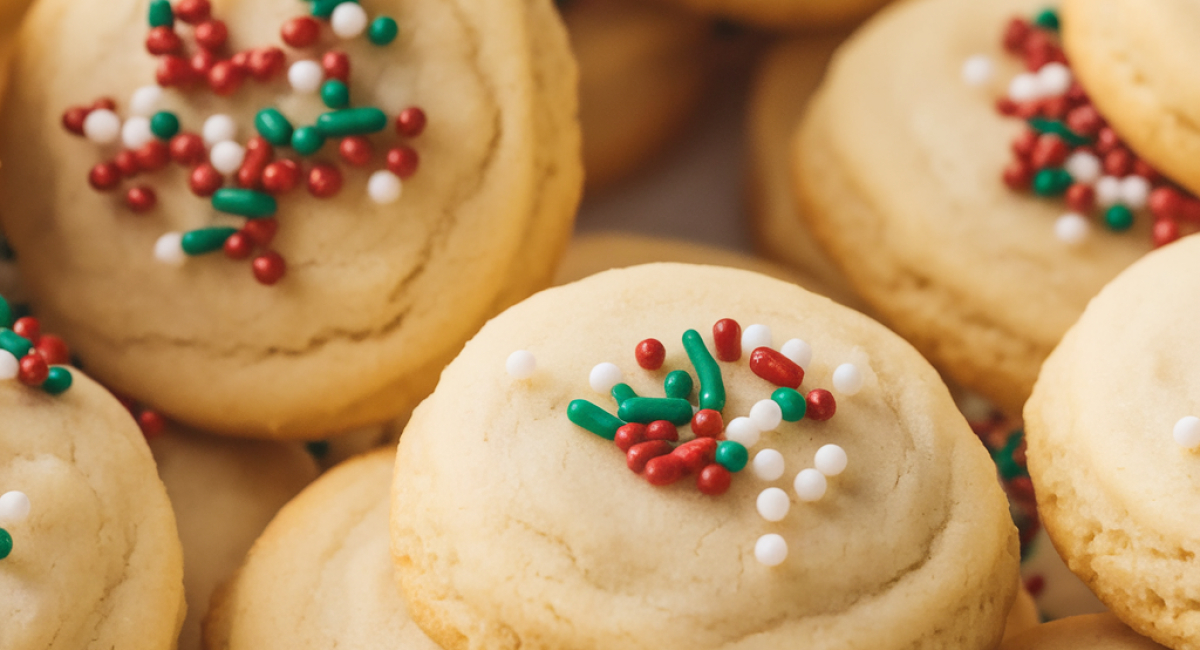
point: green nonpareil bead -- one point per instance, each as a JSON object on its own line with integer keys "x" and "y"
{"x": 58, "y": 381}
{"x": 335, "y": 94}
{"x": 732, "y": 455}
{"x": 678, "y": 384}
{"x": 1118, "y": 218}
{"x": 14, "y": 343}
{"x": 352, "y": 121}
{"x": 307, "y": 140}
{"x": 251, "y": 204}
{"x": 164, "y": 125}
{"x": 1046, "y": 19}
{"x": 648, "y": 409}
{"x": 324, "y": 8}
{"x": 161, "y": 14}
{"x": 1005, "y": 458}
{"x": 6, "y": 544}
{"x": 712, "y": 386}
{"x": 791, "y": 402}
{"x": 6, "y": 319}
{"x": 273, "y": 127}
{"x": 383, "y": 30}
{"x": 1043, "y": 125}
{"x": 205, "y": 240}
{"x": 593, "y": 418}
{"x": 1051, "y": 182}
{"x": 622, "y": 392}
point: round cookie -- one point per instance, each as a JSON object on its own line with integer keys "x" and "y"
{"x": 1023, "y": 615}
{"x": 1108, "y": 473}
{"x": 786, "y": 14}
{"x": 224, "y": 492}
{"x": 321, "y": 574}
{"x": 90, "y": 555}
{"x": 1092, "y": 632}
{"x": 513, "y": 526}
{"x": 377, "y": 296}
{"x": 642, "y": 72}
{"x": 899, "y": 163}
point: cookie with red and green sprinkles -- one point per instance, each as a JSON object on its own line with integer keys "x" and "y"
{"x": 678, "y": 456}
{"x": 282, "y": 218}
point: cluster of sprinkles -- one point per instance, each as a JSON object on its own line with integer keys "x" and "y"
{"x": 647, "y": 429}
{"x": 244, "y": 180}
{"x": 30, "y": 357}
{"x": 14, "y": 509}
{"x": 1069, "y": 151}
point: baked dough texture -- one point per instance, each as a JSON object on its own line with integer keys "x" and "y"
{"x": 97, "y": 563}
{"x": 1091, "y": 632}
{"x": 377, "y": 297}
{"x": 514, "y": 528}
{"x": 1112, "y": 484}
{"x": 899, "y": 166}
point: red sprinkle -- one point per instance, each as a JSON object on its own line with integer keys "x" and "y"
{"x": 28, "y": 327}
{"x": 662, "y": 430}
{"x": 261, "y": 231}
{"x": 1049, "y": 151}
{"x": 336, "y": 66}
{"x": 713, "y": 480}
{"x": 1164, "y": 232}
{"x": 163, "y": 40}
{"x": 771, "y": 365}
{"x": 402, "y": 161}
{"x": 33, "y": 370}
{"x": 104, "y": 176}
{"x": 650, "y": 354}
{"x": 258, "y": 153}
{"x": 281, "y": 176}
{"x": 225, "y": 77}
{"x": 1018, "y": 175}
{"x": 173, "y": 71}
{"x": 151, "y": 423}
{"x": 1118, "y": 162}
{"x": 1081, "y": 198}
{"x": 265, "y": 63}
{"x": 107, "y": 103}
{"x": 1165, "y": 202}
{"x": 153, "y": 155}
{"x": 410, "y": 122}
{"x": 127, "y": 162}
{"x": 324, "y": 180}
{"x": 707, "y": 423}
{"x": 1106, "y": 140}
{"x": 269, "y": 267}
{"x": 1015, "y": 34}
{"x": 821, "y": 405}
{"x": 727, "y": 338}
{"x": 641, "y": 453}
{"x": 238, "y": 246}
{"x": 72, "y": 119}
{"x": 202, "y": 63}
{"x": 141, "y": 198}
{"x": 629, "y": 435}
{"x": 697, "y": 453}
{"x": 664, "y": 470}
{"x": 1085, "y": 120}
{"x": 211, "y": 34}
{"x": 53, "y": 349}
{"x": 193, "y": 12}
{"x": 356, "y": 150}
{"x": 205, "y": 180}
{"x": 188, "y": 149}
{"x": 301, "y": 31}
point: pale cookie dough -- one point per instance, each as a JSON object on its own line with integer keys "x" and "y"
{"x": 1092, "y": 632}
{"x": 96, "y": 563}
{"x": 321, "y": 575}
{"x": 899, "y": 163}
{"x": 377, "y": 298}
{"x": 1023, "y": 615}
{"x": 224, "y": 493}
{"x": 513, "y": 527}
{"x": 10, "y": 19}
{"x": 786, "y": 14}
{"x": 1114, "y": 487}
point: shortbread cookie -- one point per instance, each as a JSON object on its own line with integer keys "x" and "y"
{"x": 786, "y": 14}
{"x": 516, "y": 521}
{"x": 396, "y": 172}
{"x": 1113, "y": 443}
{"x": 1023, "y": 615}
{"x": 1093, "y": 632}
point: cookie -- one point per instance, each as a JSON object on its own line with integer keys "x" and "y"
{"x": 321, "y": 574}
{"x": 1094, "y": 632}
{"x": 516, "y": 522}
{"x": 642, "y": 72}
{"x": 1023, "y": 615}
{"x": 902, "y": 162}
{"x": 378, "y": 290}
{"x": 224, "y": 492}
{"x": 1108, "y": 475}
{"x": 786, "y": 14}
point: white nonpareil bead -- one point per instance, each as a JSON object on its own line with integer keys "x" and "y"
{"x": 773, "y": 504}
{"x": 1024, "y": 87}
{"x": 144, "y": 101}
{"x": 1053, "y": 79}
{"x": 168, "y": 249}
{"x": 102, "y": 126}
{"x": 348, "y": 20}
{"x": 1135, "y": 191}
{"x": 9, "y": 365}
{"x": 978, "y": 70}
{"x": 770, "y": 550}
{"x": 1072, "y": 229}
{"x": 1187, "y": 432}
{"x": 14, "y": 506}
{"x": 305, "y": 76}
{"x": 521, "y": 364}
{"x": 798, "y": 351}
{"x": 742, "y": 430}
{"x": 754, "y": 337}
{"x": 766, "y": 415}
{"x": 384, "y": 187}
{"x": 810, "y": 485}
{"x": 830, "y": 460}
{"x": 227, "y": 156}
{"x": 219, "y": 128}
{"x": 1084, "y": 167}
{"x": 1108, "y": 191}
{"x": 768, "y": 465}
{"x": 847, "y": 379}
{"x": 136, "y": 132}
{"x": 604, "y": 376}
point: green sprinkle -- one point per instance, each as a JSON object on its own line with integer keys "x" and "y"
{"x": 58, "y": 381}
{"x": 649, "y": 409}
{"x": 593, "y": 418}
{"x": 307, "y": 140}
{"x": 5, "y": 544}
{"x": 335, "y": 94}
{"x": 317, "y": 448}
{"x": 161, "y": 14}
{"x": 732, "y": 455}
{"x": 712, "y": 387}
{"x": 383, "y": 30}
{"x": 1043, "y": 125}
{"x": 678, "y": 384}
{"x": 791, "y": 402}
{"x": 6, "y": 318}
{"x": 622, "y": 392}
{"x": 1005, "y": 459}
{"x": 273, "y": 127}
{"x": 244, "y": 203}
{"x": 164, "y": 125}
{"x": 1051, "y": 182}
{"x": 352, "y": 121}
{"x": 14, "y": 343}
{"x": 1046, "y": 19}
{"x": 205, "y": 240}
{"x": 1118, "y": 218}
{"x": 324, "y": 8}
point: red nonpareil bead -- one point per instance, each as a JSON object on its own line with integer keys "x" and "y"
{"x": 1085, "y": 120}
{"x": 241, "y": 60}
{"x": 104, "y": 176}
{"x": 258, "y": 154}
{"x": 281, "y": 176}
{"x": 173, "y": 71}
{"x": 107, "y": 103}
{"x": 1024, "y": 144}
{"x": 1189, "y": 210}
{"x": 141, "y": 198}
{"x": 821, "y": 405}
{"x": 650, "y": 354}
{"x": 28, "y": 327}
{"x": 225, "y": 77}
{"x": 53, "y": 349}
{"x": 1015, "y": 34}
{"x": 707, "y": 423}
{"x": 629, "y": 435}
{"x": 193, "y": 12}
{"x": 265, "y": 63}
{"x": 1106, "y": 140}
{"x": 1081, "y": 198}
{"x": 771, "y": 365}
{"x": 127, "y": 162}
{"x": 336, "y": 66}
{"x": 269, "y": 268}
{"x": 1027, "y": 110}
{"x": 261, "y": 231}
{"x": 1006, "y": 107}
{"x": 697, "y": 453}
{"x": 356, "y": 150}
{"x": 1076, "y": 94}
{"x": 1050, "y": 151}
{"x": 1039, "y": 49}
{"x": 163, "y": 40}
{"x": 1165, "y": 202}
{"x": 188, "y": 149}
{"x": 727, "y": 339}
{"x": 402, "y": 161}
{"x": 205, "y": 180}
{"x": 33, "y": 370}
{"x": 1018, "y": 175}
{"x": 151, "y": 423}
{"x": 664, "y": 470}
{"x": 301, "y": 31}
{"x": 153, "y": 155}
{"x": 202, "y": 63}
{"x": 238, "y": 246}
{"x": 72, "y": 119}
{"x": 641, "y": 453}
{"x": 662, "y": 430}
{"x": 1054, "y": 108}
{"x": 324, "y": 180}
{"x": 1146, "y": 171}
{"x": 1164, "y": 232}
{"x": 713, "y": 480}
{"x": 410, "y": 122}
{"x": 1118, "y": 162}
{"x": 211, "y": 34}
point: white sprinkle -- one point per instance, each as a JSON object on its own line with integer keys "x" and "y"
{"x": 847, "y": 379}
{"x": 773, "y": 504}
{"x": 169, "y": 249}
{"x": 521, "y": 364}
{"x": 768, "y": 465}
{"x": 770, "y": 550}
{"x": 798, "y": 351}
{"x": 227, "y": 156}
{"x": 305, "y": 76}
{"x": 1024, "y": 87}
{"x": 136, "y": 132}
{"x": 384, "y": 187}
{"x": 830, "y": 460}
{"x": 742, "y": 430}
{"x": 810, "y": 485}
{"x": 1108, "y": 191}
{"x": 604, "y": 376}
{"x": 102, "y": 126}
{"x": 219, "y": 128}
{"x": 1053, "y": 79}
{"x": 14, "y": 506}
{"x": 144, "y": 101}
{"x": 1072, "y": 229}
{"x": 1084, "y": 167}
{"x": 766, "y": 415}
{"x": 1187, "y": 432}
{"x": 9, "y": 365}
{"x": 348, "y": 20}
{"x": 754, "y": 337}
{"x": 977, "y": 70}
{"x": 1135, "y": 191}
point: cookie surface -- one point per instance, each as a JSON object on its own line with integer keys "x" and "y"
{"x": 321, "y": 575}
{"x": 513, "y": 527}
{"x": 786, "y": 14}
{"x": 1109, "y": 477}
{"x": 96, "y": 563}
{"x": 900, "y": 163}
{"x": 376, "y": 297}
{"x": 1093, "y": 632}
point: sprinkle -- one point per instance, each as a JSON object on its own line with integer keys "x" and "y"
{"x": 649, "y": 409}
{"x": 1108, "y": 191}
{"x": 205, "y": 240}
{"x": 776, "y": 368}
{"x": 268, "y": 268}
{"x": 799, "y": 352}
{"x": 707, "y": 423}
{"x": 521, "y": 364}
{"x": 145, "y": 100}
{"x": 1118, "y": 218}
{"x": 773, "y": 504}
{"x": 324, "y": 8}
{"x": 226, "y": 157}
{"x": 1024, "y": 88}
{"x": 160, "y": 14}
{"x": 1072, "y": 229}
{"x": 335, "y": 94}
{"x": 402, "y": 161}
{"x": 14, "y": 343}
{"x": 1135, "y": 191}
{"x": 352, "y": 121}
{"x": 305, "y": 76}
{"x": 164, "y": 125}
{"x": 14, "y": 506}
{"x": 977, "y": 70}
{"x": 245, "y": 203}
{"x": 5, "y": 313}
{"x": 847, "y": 379}
{"x": 9, "y": 366}
{"x": 622, "y": 392}
{"x": 348, "y": 20}
{"x": 768, "y": 465}
{"x": 821, "y": 405}
{"x": 1043, "y": 125}
{"x": 58, "y": 380}
{"x": 713, "y": 480}
{"x": 33, "y": 370}
{"x": 756, "y": 336}
{"x": 770, "y": 550}
{"x": 169, "y": 250}
{"x": 273, "y": 127}
{"x": 218, "y": 128}
{"x": 6, "y": 544}
{"x": 712, "y": 386}
{"x": 1083, "y": 167}
{"x": 308, "y": 140}
{"x": 102, "y": 126}
{"x": 1187, "y": 432}
{"x": 410, "y": 122}
{"x": 650, "y": 354}
{"x": 629, "y": 435}
{"x": 1051, "y": 182}
{"x": 1047, "y": 19}
{"x": 593, "y": 418}
{"x": 384, "y": 187}
{"x": 766, "y": 415}
{"x": 324, "y": 181}
{"x": 830, "y": 460}
{"x": 642, "y": 453}
{"x": 678, "y": 384}
{"x": 792, "y": 405}
{"x": 664, "y": 470}
{"x": 383, "y": 30}
{"x": 696, "y": 454}
{"x": 604, "y": 376}
{"x": 664, "y": 430}
{"x": 727, "y": 339}
{"x": 743, "y": 430}
{"x": 810, "y": 485}
{"x": 301, "y": 31}
{"x": 732, "y": 455}
{"x": 1053, "y": 79}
